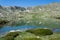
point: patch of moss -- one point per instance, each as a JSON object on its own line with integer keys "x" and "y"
{"x": 11, "y": 35}
{"x": 40, "y": 32}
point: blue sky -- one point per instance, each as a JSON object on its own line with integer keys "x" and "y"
{"x": 26, "y": 3}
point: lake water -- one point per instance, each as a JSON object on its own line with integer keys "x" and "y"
{"x": 6, "y": 29}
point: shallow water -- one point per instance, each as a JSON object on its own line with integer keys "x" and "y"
{"x": 6, "y": 29}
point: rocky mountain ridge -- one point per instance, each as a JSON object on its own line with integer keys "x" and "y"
{"x": 39, "y": 15}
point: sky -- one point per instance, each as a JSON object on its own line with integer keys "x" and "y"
{"x": 25, "y": 3}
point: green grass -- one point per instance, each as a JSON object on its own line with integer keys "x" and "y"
{"x": 30, "y": 36}
{"x": 24, "y": 36}
{"x": 27, "y": 36}
{"x": 1, "y": 38}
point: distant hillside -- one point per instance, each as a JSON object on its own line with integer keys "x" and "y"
{"x": 45, "y": 15}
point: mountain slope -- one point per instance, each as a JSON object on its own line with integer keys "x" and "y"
{"x": 46, "y": 15}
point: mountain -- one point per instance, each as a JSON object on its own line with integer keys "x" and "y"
{"x": 44, "y": 15}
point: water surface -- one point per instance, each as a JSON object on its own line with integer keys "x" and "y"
{"x": 6, "y": 29}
